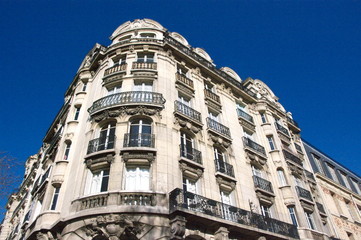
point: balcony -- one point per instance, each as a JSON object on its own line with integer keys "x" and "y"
{"x": 212, "y": 96}
{"x": 255, "y": 147}
{"x": 282, "y": 129}
{"x": 99, "y": 144}
{"x": 181, "y": 78}
{"x": 303, "y": 193}
{"x": 191, "y": 154}
{"x": 292, "y": 157}
{"x": 218, "y": 128}
{"x": 144, "y": 66}
{"x": 262, "y": 184}
{"x": 242, "y": 114}
{"x": 293, "y": 125}
{"x": 225, "y": 168}
{"x": 115, "y": 69}
{"x": 134, "y": 98}
{"x": 139, "y": 140}
{"x": 187, "y": 112}
{"x": 125, "y": 199}
{"x": 190, "y": 203}
{"x": 310, "y": 176}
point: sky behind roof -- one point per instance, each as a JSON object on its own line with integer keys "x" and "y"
{"x": 307, "y": 52}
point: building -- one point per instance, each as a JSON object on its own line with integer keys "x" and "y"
{"x": 340, "y": 190}
{"x": 154, "y": 142}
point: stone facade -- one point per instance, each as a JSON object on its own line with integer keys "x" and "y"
{"x": 154, "y": 142}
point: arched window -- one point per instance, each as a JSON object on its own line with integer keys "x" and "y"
{"x": 140, "y": 133}
{"x": 107, "y": 136}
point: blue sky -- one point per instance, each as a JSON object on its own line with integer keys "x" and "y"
{"x": 308, "y": 52}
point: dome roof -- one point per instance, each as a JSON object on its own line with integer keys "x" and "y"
{"x": 231, "y": 73}
{"x": 137, "y": 24}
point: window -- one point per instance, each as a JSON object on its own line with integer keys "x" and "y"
{"x": 184, "y": 100}
{"x": 332, "y": 171}
{"x": 107, "y": 137}
{"x": 143, "y": 86}
{"x": 147, "y": 35}
{"x": 186, "y": 146}
{"x": 271, "y": 143}
{"x": 213, "y": 116}
{"x": 337, "y": 203}
{"x": 140, "y": 133}
{"x": 266, "y": 210}
{"x": 98, "y": 181}
{"x": 115, "y": 89}
{"x": 209, "y": 87}
{"x": 220, "y": 160}
{"x": 310, "y": 221}
{"x": 248, "y": 135}
{"x": 292, "y": 212}
{"x": 345, "y": 180}
{"x": 257, "y": 172}
{"x": 137, "y": 178}
{"x": 355, "y": 185}
{"x": 189, "y": 185}
{"x": 84, "y": 86}
{"x": 67, "y": 150}
{"x": 119, "y": 60}
{"x": 281, "y": 177}
{"x": 55, "y": 198}
{"x": 318, "y": 163}
{"x": 76, "y": 115}
{"x": 226, "y": 198}
{"x": 145, "y": 57}
{"x": 298, "y": 182}
{"x": 351, "y": 209}
{"x": 263, "y": 117}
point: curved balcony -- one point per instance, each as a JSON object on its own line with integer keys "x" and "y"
{"x": 100, "y": 144}
{"x": 134, "y": 98}
{"x": 115, "y": 69}
{"x": 139, "y": 140}
{"x": 125, "y": 199}
{"x": 144, "y": 66}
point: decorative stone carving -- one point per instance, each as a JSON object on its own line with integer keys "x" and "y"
{"x": 139, "y": 110}
{"x": 219, "y": 140}
{"x": 224, "y": 184}
{"x": 295, "y": 171}
{"x": 177, "y": 227}
{"x": 149, "y": 156}
{"x": 221, "y": 234}
{"x": 115, "y": 227}
{"x": 190, "y": 126}
{"x": 107, "y": 159}
{"x": 45, "y": 236}
{"x": 196, "y": 173}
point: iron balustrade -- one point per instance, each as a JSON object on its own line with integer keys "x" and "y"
{"x": 45, "y": 176}
{"x": 223, "y": 167}
{"x": 303, "y": 193}
{"x": 188, "y": 51}
{"x": 144, "y": 65}
{"x": 114, "y": 69}
{"x": 124, "y": 98}
{"x": 99, "y": 144}
{"x": 179, "y": 199}
{"x": 182, "y": 78}
{"x": 292, "y": 157}
{"x": 282, "y": 129}
{"x": 139, "y": 140}
{"x": 255, "y": 146}
{"x": 219, "y": 128}
{"x": 320, "y": 208}
{"x": 191, "y": 154}
{"x": 262, "y": 184}
{"x": 310, "y": 175}
{"x": 244, "y": 115}
{"x": 211, "y": 95}
{"x": 188, "y": 111}
{"x": 290, "y": 120}
{"x": 298, "y": 147}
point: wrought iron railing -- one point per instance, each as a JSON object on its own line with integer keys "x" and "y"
{"x": 188, "y": 51}
{"x": 99, "y": 144}
{"x": 290, "y": 120}
{"x": 282, "y": 129}
{"x": 180, "y": 199}
{"x": 223, "y": 167}
{"x": 303, "y": 193}
{"x": 320, "y": 208}
{"x": 145, "y": 65}
{"x": 309, "y": 175}
{"x": 255, "y": 146}
{"x": 219, "y": 128}
{"x": 292, "y": 157}
{"x": 117, "y": 68}
{"x": 124, "y": 98}
{"x": 139, "y": 140}
{"x": 45, "y": 176}
{"x": 244, "y": 115}
{"x": 211, "y": 95}
{"x": 262, "y": 184}
{"x": 298, "y": 147}
{"x": 191, "y": 154}
{"x": 182, "y": 78}
{"x": 187, "y": 111}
